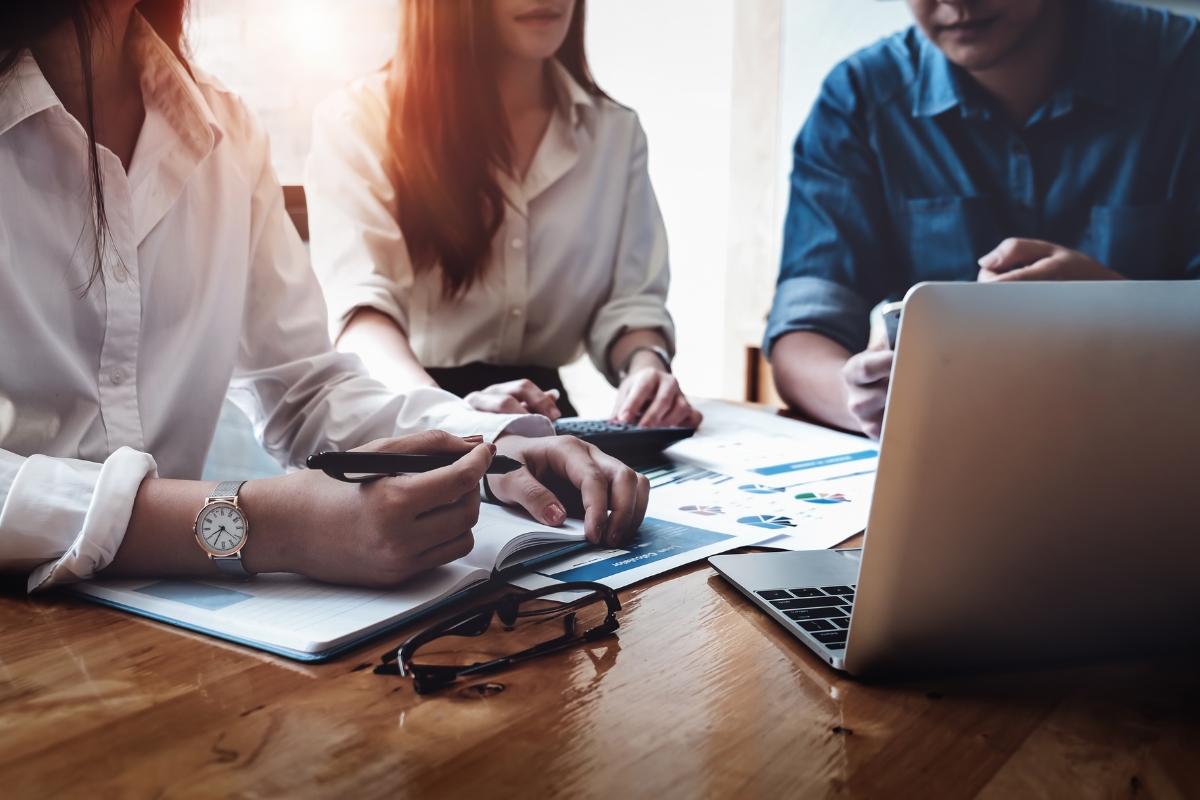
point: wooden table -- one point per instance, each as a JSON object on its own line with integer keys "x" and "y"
{"x": 700, "y": 696}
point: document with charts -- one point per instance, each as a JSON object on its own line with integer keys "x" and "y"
{"x": 810, "y": 517}
{"x": 308, "y": 620}
{"x": 667, "y": 539}
{"x": 758, "y": 447}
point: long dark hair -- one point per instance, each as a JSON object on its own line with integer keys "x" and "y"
{"x": 23, "y": 23}
{"x": 448, "y": 133}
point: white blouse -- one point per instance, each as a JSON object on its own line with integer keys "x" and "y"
{"x": 205, "y": 279}
{"x": 580, "y": 257}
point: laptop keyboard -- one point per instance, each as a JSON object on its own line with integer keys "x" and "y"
{"x": 824, "y": 611}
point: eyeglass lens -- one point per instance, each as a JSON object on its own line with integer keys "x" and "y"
{"x": 538, "y": 622}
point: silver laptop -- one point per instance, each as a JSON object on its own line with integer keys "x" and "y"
{"x": 1038, "y": 493}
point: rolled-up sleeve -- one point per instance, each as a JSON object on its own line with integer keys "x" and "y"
{"x": 358, "y": 251}
{"x": 641, "y": 274}
{"x": 65, "y": 518}
{"x": 301, "y": 394}
{"x": 835, "y": 236}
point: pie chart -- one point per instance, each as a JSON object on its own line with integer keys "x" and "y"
{"x": 822, "y": 498}
{"x": 758, "y": 488}
{"x": 768, "y": 521}
{"x": 704, "y": 511}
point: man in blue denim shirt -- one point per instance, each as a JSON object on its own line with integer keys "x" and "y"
{"x": 1003, "y": 140}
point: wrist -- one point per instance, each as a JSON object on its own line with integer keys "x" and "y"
{"x": 272, "y": 544}
{"x": 647, "y": 359}
{"x": 644, "y": 357}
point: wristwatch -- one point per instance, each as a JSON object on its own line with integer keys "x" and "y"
{"x": 623, "y": 370}
{"x": 222, "y": 528}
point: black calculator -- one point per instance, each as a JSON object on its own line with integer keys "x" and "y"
{"x": 629, "y": 443}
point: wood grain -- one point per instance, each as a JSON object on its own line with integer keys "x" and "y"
{"x": 699, "y": 696}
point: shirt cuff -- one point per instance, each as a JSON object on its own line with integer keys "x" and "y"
{"x": 56, "y": 500}
{"x": 459, "y": 419}
{"x": 619, "y": 317}
{"x": 820, "y": 306}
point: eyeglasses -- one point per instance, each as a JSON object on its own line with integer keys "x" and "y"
{"x": 531, "y": 626}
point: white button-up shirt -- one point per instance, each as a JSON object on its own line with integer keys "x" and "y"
{"x": 580, "y": 257}
{"x": 205, "y": 280}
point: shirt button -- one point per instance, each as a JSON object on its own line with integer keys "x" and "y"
{"x": 117, "y": 376}
{"x": 516, "y": 312}
{"x": 517, "y": 244}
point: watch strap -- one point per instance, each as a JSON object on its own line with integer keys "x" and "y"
{"x": 232, "y": 566}
{"x": 226, "y": 490}
{"x": 229, "y": 565}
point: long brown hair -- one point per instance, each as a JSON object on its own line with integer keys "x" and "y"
{"x": 23, "y": 24}
{"x": 448, "y": 134}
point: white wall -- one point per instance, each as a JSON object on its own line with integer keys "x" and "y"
{"x": 672, "y": 63}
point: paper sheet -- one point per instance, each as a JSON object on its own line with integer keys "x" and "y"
{"x": 498, "y": 526}
{"x": 811, "y": 517}
{"x": 767, "y": 449}
{"x": 660, "y": 545}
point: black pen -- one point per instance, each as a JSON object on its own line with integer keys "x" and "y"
{"x": 361, "y": 467}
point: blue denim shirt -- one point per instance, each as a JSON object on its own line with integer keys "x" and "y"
{"x": 907, "y": 171}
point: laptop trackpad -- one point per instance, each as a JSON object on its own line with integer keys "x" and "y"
{"x": 756, "y": 571}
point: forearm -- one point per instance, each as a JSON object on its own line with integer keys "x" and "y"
{"x": 808, "y": 374}
{"x": 160, "y": 539}
{"x": 376, "y": 338}
{"x": 630, "y": 341}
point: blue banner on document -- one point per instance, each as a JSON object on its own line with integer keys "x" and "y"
{"x": 655, "y": 541}
{"x": 798, "y": 466}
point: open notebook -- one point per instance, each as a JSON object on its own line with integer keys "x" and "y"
{"x": 300, "y": 618}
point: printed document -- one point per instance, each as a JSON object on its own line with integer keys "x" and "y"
{"x": 815, "y": 516}
{"x": 763, "y": 448}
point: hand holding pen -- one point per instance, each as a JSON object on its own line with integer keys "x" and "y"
{"x": 564, "y": 476}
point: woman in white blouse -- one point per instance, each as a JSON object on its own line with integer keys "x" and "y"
{"x": 481, "y": 213}
{"x": 145, "y": 260}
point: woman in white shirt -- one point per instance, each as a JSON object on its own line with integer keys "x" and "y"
{"x": 481, "y": 213}
{"x": 145, "y": 260}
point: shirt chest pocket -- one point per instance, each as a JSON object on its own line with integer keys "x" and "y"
{"x": 944, "y": 237}
{"x": 1134, "y": 240}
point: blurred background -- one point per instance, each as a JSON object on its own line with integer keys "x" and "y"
{"x": 721, "y": 86}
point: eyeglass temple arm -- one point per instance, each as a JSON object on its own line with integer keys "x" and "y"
{"x": 404, "y": 652}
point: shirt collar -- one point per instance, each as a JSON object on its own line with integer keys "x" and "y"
{"x": 938, "y": 89}
{"x": 179, "y": 132}
{"x": 166, "y": 84}
{"x": 570, "y": 126}
{"x": 1094, "y": 76}
{"x": 171, "y": 90}
{"x": 25, "y": 93}
{"x": 574, "y": 102}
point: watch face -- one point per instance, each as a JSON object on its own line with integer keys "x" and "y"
{"x": 221, "y": 528}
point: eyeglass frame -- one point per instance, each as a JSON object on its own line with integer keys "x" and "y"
{"x": 429, "y": 678}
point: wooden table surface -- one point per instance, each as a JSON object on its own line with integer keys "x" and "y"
{"x": 699, "y": 696}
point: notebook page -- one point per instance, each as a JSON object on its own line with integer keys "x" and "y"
{"x": 285, "y": 610}
{"x": 502, "y": 531}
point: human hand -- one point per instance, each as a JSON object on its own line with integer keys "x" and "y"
{"x": 374, "y": 534}
{"x": 562, "y": 471}
{"x": 867, "y": 375}
{"x": 1033, "y": 260}
{"x": 516, "y": 397}
{"x": 651, "y": 397}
